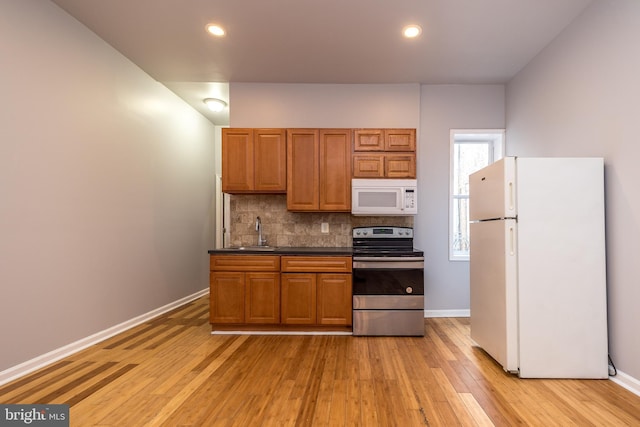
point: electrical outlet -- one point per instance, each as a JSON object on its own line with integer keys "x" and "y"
{"x": 324, "y": 228}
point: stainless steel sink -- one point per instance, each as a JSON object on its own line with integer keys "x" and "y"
{"x": 253, "y": 248}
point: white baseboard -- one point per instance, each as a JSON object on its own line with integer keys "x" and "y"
{"x": 447, "y": 313}
{"x": 62, "y": 352}
{"x": 627, "y": 381}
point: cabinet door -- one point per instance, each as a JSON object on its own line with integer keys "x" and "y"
{"x": 270, "y": 154}
{"x": 368, "y": 140}
{"x": 237, "y": 160}
{"x": 226, "y": 297}
{"x": 400, "y": 140}
{"x": 334, "y": 299}
{"x": 370, "y": 165}
{"x": 335, "y": 170}
{"x": 302, "y": 170}
{"x": 262, "y": 298}
{"x": 400, "y": 166}
{"x": 298, "y": 298}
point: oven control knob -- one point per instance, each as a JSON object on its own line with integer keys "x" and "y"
{"x": 358, "y": 233}
{"x": 409, "y": 290}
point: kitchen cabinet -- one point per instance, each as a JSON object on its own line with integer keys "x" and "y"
{"x": 244, "y": 289}
{"x": 384, "y": 153}
{"x": 319, "y": 170}
{"x": 254, "y": 161}
{"x": 316, "y": 290}
{"x": 384, "y": 140}
{"x": 298, "y": 298}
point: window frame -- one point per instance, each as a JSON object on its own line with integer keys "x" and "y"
{"x": 496, "y": 139}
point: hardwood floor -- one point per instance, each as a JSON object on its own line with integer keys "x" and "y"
{"x": 172, "y": 372}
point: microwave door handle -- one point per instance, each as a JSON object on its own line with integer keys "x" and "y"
{"x": 403, "y": 200}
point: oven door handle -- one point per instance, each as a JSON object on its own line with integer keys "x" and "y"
{"x": 389, "y": 258}
{"x": 388, "y": 264}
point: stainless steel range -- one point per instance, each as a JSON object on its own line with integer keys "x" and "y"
{"x": 388, "y": 282}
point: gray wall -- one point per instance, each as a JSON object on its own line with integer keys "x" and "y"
{"x": 105, "y": 186}
{"x": 324, "y": 105}
{"x": 444, "y": 108}
{"x": 579, "y": 97}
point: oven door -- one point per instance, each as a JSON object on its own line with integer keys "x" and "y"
{"x": 388, "y": 275}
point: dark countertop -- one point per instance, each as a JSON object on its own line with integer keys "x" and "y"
{"x": 344, "y": 251}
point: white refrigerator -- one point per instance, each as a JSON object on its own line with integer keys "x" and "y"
{"x": 537, "y": 266}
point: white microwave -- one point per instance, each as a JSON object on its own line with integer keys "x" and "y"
{"x": 384, "y": 197}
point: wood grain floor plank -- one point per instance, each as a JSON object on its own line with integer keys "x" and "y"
{"x": 184, "y": 393}
{"x": 38, "y": 376}
{"x": 453, "y": 398}
{"x": 369, "y": 408}
{"x": 478, "y": 415}
{"x": 28, "y": 390}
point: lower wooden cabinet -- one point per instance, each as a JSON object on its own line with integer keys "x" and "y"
{"x": 312, "y": 298}
{"x": 311, "y": 291}
{"x": 316, "y": 299}
{"x": 334, "y": 299}
{"x": 262, "y": 298}
{"x": 226, "y": 296}
{"x": 298, "y": 298}
{"x": 244, "y": 289}
{"x": 238, "y": 297}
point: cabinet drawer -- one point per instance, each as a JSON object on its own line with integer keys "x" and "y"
{"x": 316, "y": 264}
{"x": 245, "y": 263}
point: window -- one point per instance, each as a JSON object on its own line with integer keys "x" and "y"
{"x": 471, "y": 150}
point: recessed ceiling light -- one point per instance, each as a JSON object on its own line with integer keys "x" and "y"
{"x": 215, "y": 104}
{"x": 216, "y": 30}
{"x": 411, "y": 31}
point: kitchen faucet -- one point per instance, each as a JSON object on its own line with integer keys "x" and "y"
{"x": 261, "y": 241}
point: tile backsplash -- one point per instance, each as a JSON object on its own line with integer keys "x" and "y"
{"x": 296, "y": 229}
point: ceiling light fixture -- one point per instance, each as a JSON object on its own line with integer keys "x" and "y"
{"x": 216, "y": 30}
{"x": 216, "y": 105}
{"x": 411, "y": 31}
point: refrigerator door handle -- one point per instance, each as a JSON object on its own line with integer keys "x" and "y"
{"x": 511, "y": 201}
{"x": 512, "y": 249}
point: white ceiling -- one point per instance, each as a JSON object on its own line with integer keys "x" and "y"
{"x": 324, "y": 41}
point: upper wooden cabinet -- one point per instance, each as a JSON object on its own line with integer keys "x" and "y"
{"x": 400, "y": 140}
{"x": 254, "y": 160}
{"x": 384, "y": 140}
{"x": 303, "y": 166}
{"x": 368, "y": 140}
{"x": 335, "y": 170}
{"x": 384, "y": 153}
{"x": 319, "y": 170}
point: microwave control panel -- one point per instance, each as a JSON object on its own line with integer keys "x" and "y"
{"x": 409, "y": 199}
